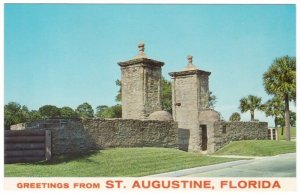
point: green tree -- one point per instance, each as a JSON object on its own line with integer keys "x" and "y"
{"x": 212, "y": 100}
{"x": 250, "y": 103}
{"x": 280, "y": 80}
{"x": 166, "y": 95}
{"x": 12, "y": 107}
{"x": 25, "y": 113}
{"x": 117, "y": 111}
{"x": 119, "y": 94}
{"x": 281, "y": 121}
{"x": 235, "y": 117}
{"x": 293, "y": 117}
{"x": 274, "y": 108}
{"x": 49, "y": 111}
{"x": 14, "y": 113}
{"x": 100, "y": 111}
{"x": 68, "y": 113}
{"x": 85, "y": 110}
{"x": 104, "y": 111}
{"x": 34, "y": 115}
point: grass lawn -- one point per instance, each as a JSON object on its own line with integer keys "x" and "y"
{"x": 114, "y": 162}
{"x": 282, "y": 137}
{"x": 257, "y": 148}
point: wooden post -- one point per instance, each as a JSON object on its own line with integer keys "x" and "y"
{"x": 276, "y": 133}
{"x": 48, "y": 144}
{"x": 271, "y": 130}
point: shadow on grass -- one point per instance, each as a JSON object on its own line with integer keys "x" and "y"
{"x": 67, "y": 158}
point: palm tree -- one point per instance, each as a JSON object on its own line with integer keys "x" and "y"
{"x": 280, "y": 80}
{"x": 235, "y": 117}
{"x": 274, "y": 108}
{"x": 250, "y": 103}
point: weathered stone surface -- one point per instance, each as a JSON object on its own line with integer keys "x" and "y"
{"x": 76, "y": 136}
{"x": 183, "y": 139}
{"x": 161, "y": 116}
{"x": 132, "y": 133}
{"x": 225, "y": 132}
{"x": 209, "y": 115}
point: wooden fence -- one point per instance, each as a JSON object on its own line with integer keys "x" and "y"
{"x": 272, "y": 134}
{"x": 27, "y": 146}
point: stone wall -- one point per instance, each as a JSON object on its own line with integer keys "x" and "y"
{"x": 76, "y": 136}
{"x": 225, "y": 132}
{"x": 43, "y": 124}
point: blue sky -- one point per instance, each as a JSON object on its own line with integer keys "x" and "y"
{"x": 65, "y": 55}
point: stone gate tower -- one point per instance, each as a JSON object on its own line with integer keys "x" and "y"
{"x": 141, "y": 86}
{"x": 190, "y": 95}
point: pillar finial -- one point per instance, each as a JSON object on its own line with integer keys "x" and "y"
{"x": 190, "y": 65}
{"x": 141, "y": 47}
{"x": 190, "y": 59}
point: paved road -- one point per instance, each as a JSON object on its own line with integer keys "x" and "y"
{"x": 276, "y": 166}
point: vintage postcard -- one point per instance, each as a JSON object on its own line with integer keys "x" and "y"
{"x": 174, "y": 97}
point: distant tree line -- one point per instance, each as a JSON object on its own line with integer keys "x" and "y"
{"x": 15, "y": 113}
